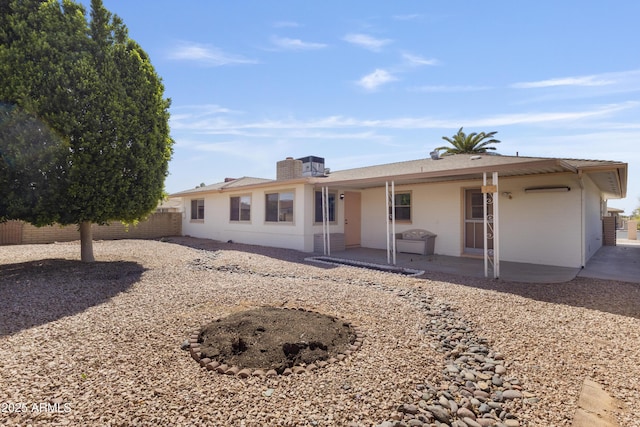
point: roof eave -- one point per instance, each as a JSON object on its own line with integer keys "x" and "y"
{"x": 455, "y": 174}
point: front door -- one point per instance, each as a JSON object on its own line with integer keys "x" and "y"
{"x": 474, "y": 221}
{"x": 352, "y": 215}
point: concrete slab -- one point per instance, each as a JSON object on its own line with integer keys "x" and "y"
{"x": 464, "y": 266}
{"x": 621, "y": 262}
{"x": 595, "y": 407}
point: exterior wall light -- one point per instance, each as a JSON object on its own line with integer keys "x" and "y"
{"x": 554, "y": 189}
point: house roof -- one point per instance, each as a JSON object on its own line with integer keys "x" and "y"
{"x": 245, "y": 181}
{"x": 609, "y": 176}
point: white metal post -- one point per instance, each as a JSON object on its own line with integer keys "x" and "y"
{"x": 328, "y": 221}
{"x": 324, "y": 224}
{"x": 485, "y": 225}
{"x": 496, "y": 228}
{"x": 393, "y": 220}
{"x": 386, "y": 216}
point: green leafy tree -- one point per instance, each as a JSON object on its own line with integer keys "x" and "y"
{"x": 31, "y": 167}
{"x": 473, "y": 143}
{"x": 96, "y": 88}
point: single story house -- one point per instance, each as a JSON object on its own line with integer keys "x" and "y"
{"x": 521, "y": 209}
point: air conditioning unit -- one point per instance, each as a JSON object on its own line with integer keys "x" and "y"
{"x": 312, "y": 166}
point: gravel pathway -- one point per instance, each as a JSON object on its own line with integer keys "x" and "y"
{"x": 101, "y": 344}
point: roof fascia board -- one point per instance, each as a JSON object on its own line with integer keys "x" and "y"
{"x": 460, "y": 172}
{"x": 274, "y": 183}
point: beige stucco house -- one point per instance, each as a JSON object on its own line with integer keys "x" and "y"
{"x": 522, "y": 209}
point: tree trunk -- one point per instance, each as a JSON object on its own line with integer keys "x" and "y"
{"x": 86, "y": 242}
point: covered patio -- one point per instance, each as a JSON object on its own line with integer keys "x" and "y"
{"x": 532, "y": 185}
{"x": 620, "y": 262}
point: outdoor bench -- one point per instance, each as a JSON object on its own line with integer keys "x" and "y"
{"x": 415, "y": 241}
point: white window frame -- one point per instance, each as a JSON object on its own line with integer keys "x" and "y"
{"x": 281, "y": 214}
{"x": 316, "y": 207}
{"x": 199, "y": 208}
{"x": 240, "y": 197}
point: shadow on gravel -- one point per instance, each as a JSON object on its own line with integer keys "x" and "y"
{"x": 38, "y": 292}
{"x": 621, "y": 298}
{"x": 290, "y": 255}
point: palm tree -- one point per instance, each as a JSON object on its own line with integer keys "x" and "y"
{"x": 469, "y": 144}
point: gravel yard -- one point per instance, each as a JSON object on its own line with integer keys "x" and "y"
{"x": 101, "y": 344}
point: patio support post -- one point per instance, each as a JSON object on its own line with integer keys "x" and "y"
{"x": 393, "y": 220}
{"x": 390, "y": 201}
{"x": 485, "y": 241}
{"x": 491, "y": 225}
{"x": 496, "y": 228}
{"x": 386, "y": 215}
{"x": 326, "y": 236}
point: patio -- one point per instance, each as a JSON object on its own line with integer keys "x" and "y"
{"x": 621, "y": 262}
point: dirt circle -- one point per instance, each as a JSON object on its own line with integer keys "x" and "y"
{"x": 274, "y": 338}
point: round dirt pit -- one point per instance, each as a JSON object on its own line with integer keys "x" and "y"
{"x": 274, "y": 338}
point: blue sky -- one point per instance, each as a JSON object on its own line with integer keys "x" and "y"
{"x": 369, "y": 82}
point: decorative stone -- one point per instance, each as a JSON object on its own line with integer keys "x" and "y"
{"x": 298, "y": 370}
{"x": 212, "y": 365}
{"x": 466, "y": 413}
{"x": 408, "y": 409}
{"x": 511, "y": 394}
{"x": 244, "y": 373}
{"x": 232, "y": 370}
{"x": 470, "y": 422}
{"x": 439, "y": 413}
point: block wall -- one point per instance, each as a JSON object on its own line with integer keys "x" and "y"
{"x": 158, "y": 225}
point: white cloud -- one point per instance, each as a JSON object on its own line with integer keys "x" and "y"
{"x": 377, "y": 78}
{"x": 566, "y": 81}
{"x": 412, "y": 59}
{"x": 295, "y": 128}
{"x": 295, "y": 44}
{"x": 206, "y": 54}
{"x": 366, "y": 41}
{"x": 443, "y": 88}
{"x": 566, "y": 116}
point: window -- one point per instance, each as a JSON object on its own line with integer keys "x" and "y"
{"x": 197, "y": 209}
{"x": 332, "y": 207}
{"x": 240, "y": 209}
{"x": 279, "y": 207}
{"x": 403, "y": 206}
